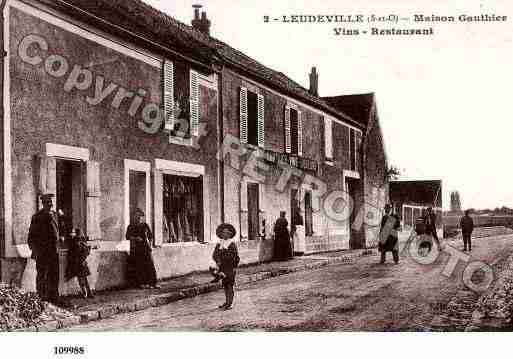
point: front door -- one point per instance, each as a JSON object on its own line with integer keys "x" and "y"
{"x": 308, "y": 214}
{"x": 253, "y": 209}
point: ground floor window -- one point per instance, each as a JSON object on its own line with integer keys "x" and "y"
{"x": 182, "y": 199}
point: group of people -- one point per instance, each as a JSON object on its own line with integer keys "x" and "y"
{"x": 426, "y": 224}
{"x": 391, "y": 224}
{"x": 43, "y": 239}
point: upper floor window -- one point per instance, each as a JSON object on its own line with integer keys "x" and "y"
{"x": 293, "y": 131}
{"x": 251, "y": 117}
{"x": 328, "y": 139}
{"x": 181, "y": 108}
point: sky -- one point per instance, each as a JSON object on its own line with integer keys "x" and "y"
{"x": 443, "y": 100}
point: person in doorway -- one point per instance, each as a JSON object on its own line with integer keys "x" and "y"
{"x": 226, "y": 257}
{"x": 79, "y": 250}
{"x": 430, "y": 226}
{"x": 297, "y": 233}
{"x": 388, "y": 238}
{"x": 42, "y": 240}
{"x": 282, "y": 246}
{"x": 142, "y": 268}
{"x": 467, "y": 226}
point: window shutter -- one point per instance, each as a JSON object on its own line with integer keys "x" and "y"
{"x": 288, "y": 148}
{"x": 194, "y": 103}
{"x": 261, "y": 121}
{"x": 47, "y": 182}
{"x": 299, "y": 134}
{"x": 93, "y": 195}
{"x": 169, "y": 96}
{"x": 158, "y": 211}
{"x": 328, "y": 138}
{"x": 243, "y": 99}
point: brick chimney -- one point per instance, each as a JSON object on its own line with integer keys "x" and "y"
{"x": 314, "y": 82}
{"x": 202, "y": 24}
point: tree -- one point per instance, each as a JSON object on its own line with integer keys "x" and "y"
{"x": 392, "y": 173}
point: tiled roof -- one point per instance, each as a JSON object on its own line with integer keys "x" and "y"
{"x": 416, "y": 192}
{"x": 142, "y": 20}
{"x": 356, "y": 106}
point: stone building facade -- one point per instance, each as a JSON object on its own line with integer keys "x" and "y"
{"x": 112, "y": 106}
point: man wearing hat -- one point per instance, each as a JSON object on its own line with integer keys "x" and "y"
{"x": 42, "y": 240}
{"x": 388, "y": 238}
{"x": 430, "y": 225}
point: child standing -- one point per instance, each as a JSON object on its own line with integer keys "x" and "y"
{"x": 79, "y": 250}
{"x": 227, "y": 259}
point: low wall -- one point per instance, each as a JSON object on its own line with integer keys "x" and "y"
{"x": 317, "y": 244}
{"x": 451, "y": 222}
{"x": 108, "y": 264}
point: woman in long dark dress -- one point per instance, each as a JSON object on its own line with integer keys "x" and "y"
{"x": 141, "y": 263}
{"x": 227, "y": 259}
{"x": 282, "y": 245}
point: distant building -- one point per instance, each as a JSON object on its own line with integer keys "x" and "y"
{"x": 410, "y": 198}
{"x": 455, "y": 202}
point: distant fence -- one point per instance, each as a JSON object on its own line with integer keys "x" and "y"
{"x": 479, "y": 221}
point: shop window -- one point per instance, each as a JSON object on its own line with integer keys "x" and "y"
{"x": 182, "y": 208}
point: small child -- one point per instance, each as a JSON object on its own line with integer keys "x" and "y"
{"x": 79, "y": 250}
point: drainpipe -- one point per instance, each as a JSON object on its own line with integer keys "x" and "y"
{"x": 220, "y": 139}
{"x": 3, "y": 54}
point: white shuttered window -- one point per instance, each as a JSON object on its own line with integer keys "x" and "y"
{"x": 328, "y": 138}
{"x": 288, "y": 147}
{"x": 243, "y": 119}
{"x": 194, "y": 103}
{"x": 261, "y": 121}
{"x": 299, "y": 134}
{"x": 169, "y": 99}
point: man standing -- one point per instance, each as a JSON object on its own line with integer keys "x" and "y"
{"x": 467, "y": 226}
{"x": 42, "y": 240}
{"x": 388, "y": 238}
{"x": 430, "y": 225}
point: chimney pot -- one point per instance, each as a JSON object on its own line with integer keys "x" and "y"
{"x": 201, "y": 24}
{"x": 314, "y": 82}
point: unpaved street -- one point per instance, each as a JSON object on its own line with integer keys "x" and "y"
{"x": 362, "y": 296}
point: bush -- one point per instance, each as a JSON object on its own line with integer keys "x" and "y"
{"x": 19, "y": 309}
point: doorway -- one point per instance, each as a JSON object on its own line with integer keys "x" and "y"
{"x": 308, "y": 214}
{"x": 355, "y": 191}
{"x": 70, "y": 201}
{"x": 253, "y": 210}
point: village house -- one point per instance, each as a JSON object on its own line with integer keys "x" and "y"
{"x": 113, "y": 105}
{"x": 410, "y": 198}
